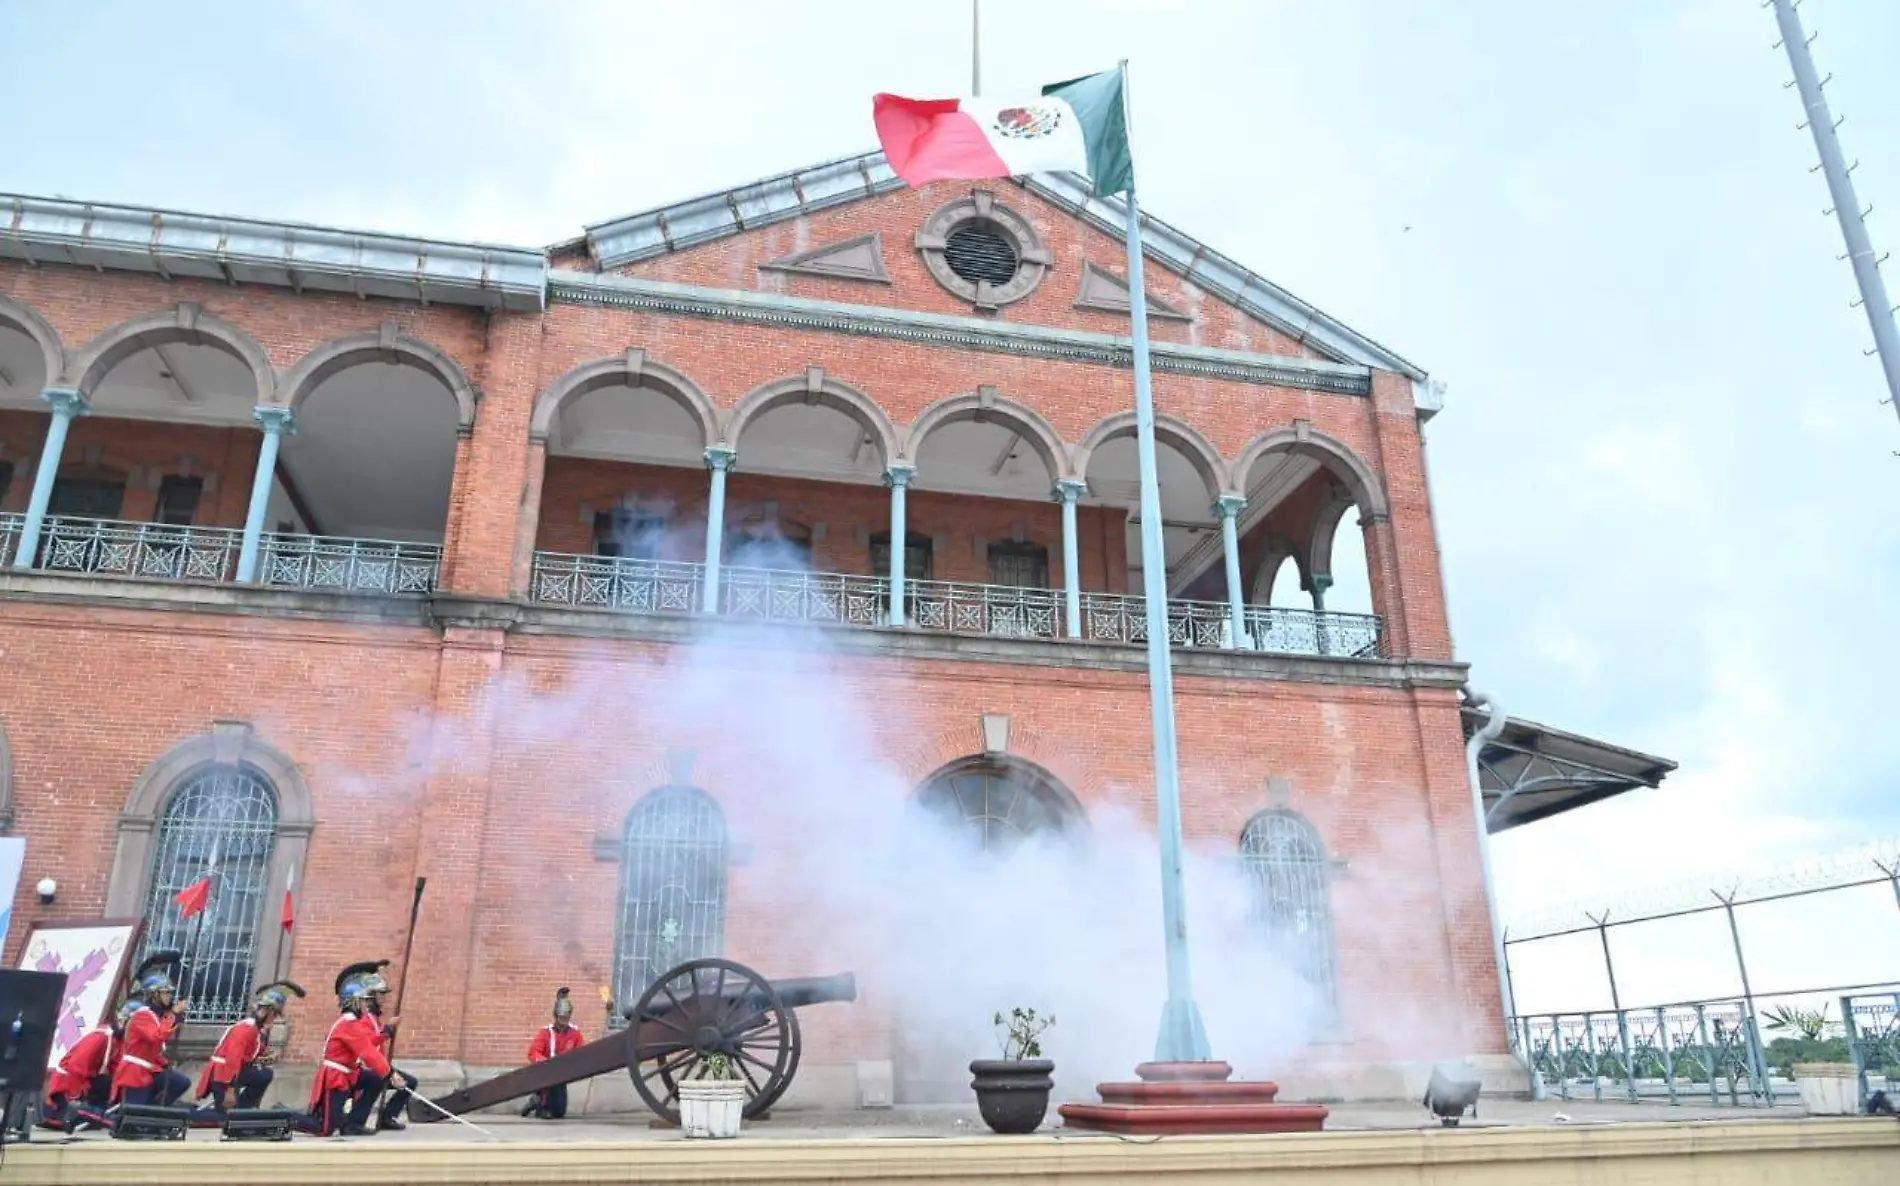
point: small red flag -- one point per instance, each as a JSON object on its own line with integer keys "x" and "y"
{"x": 194, "y": 897}
{"x": 290, "y": 910}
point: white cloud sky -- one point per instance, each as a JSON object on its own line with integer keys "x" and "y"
{"x": 1664, "y": 481}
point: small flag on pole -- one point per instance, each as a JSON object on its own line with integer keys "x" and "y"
{"x": 195, "y": 897}
{"x": 290, "y": 906}
{"x": 1077, "y": 126}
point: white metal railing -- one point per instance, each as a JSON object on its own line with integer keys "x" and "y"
{"x": 164, "y": 552}
{"x": 152, "y": 551}
{"x": 1201, "y": 625}
{"x": 784, "y": 595}
{"x": 340, "y": 565}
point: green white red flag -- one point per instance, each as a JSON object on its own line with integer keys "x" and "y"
{"x": 1078, "y": 126}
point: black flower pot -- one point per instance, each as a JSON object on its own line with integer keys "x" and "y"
{"x": 1012, "y": 1094}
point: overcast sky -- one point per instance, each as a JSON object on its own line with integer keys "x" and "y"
{"x": 1664, "y": 480}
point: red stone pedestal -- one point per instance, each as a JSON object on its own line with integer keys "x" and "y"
{"x": 1178, "y": 1098}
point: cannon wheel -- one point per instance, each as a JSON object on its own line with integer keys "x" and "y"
{"x": 706, "y": 1007}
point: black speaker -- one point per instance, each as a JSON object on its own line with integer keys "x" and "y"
{"x": 29, "y": 1010}
{"x": 147, "y": 1122}
{"x": 259, "y": 1124}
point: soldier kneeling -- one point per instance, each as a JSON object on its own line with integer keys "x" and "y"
{"x": 549, "y": 1042}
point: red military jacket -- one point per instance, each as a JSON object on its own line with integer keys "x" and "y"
{"x": 551, "y": 1041}
{"x": 239, "y": 1048}
{"x": 144, "y": 1056}
{"x": 355, "y": 1043}
{"x": 96, "y": 1053}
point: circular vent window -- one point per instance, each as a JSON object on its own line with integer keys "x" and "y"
{"x": 980, "y": 253}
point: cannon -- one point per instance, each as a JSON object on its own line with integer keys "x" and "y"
{"x": 689, "y": 1013}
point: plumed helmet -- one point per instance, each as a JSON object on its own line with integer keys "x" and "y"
{"x": 275, "y": 995}
{"x": 563, "y": 1007}
{"x": 156, "y": 973}
{"x": 360, "y": 981}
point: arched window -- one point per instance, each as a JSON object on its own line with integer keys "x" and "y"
{"x": 1000, "y": 803}
{"x": 672, "y": 887}
{"x": 220, "y": 822}
{"x": 1292, "y": 895}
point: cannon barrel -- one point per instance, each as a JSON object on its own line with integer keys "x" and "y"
{"x": 795, "y": 993}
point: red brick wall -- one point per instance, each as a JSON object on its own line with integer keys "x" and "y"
{"x": 734, "y": 263}
{"x": 155, "y": 450}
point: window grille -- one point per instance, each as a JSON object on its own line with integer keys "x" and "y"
{"x": 229, "y": 812}
{"x": 918, "y": 557}
{"x": 1000, "y": 805}
{"x": 673, "y": 888}
{"x": 979, "y": 253}
{"x": 1292, "y": 895}
{"x": 1019, "y": 565}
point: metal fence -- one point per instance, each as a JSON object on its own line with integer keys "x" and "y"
{"x": 952, "y": 607}
{"x": 165, "y": 552}
{"x": 1713, "y": 1045}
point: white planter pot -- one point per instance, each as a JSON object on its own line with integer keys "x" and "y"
{"x": 710, "y": 1109}
{"x": 1828, "y": 1088}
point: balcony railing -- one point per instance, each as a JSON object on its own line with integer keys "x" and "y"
{"x": 675, "y": 587}
{"x": 163, "y": 552}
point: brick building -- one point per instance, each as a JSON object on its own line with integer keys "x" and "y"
{"x": 300, "y": 525}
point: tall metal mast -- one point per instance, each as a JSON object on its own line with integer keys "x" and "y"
{"x": 1847, "y": 207}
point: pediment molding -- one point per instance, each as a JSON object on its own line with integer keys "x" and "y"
{"x": 860, "y": 257}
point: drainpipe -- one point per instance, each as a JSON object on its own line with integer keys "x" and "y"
{"x": 1483, "y": 736}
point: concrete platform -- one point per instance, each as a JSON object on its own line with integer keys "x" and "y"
{"x": 1513, "y": 1142}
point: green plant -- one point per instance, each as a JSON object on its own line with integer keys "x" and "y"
{"x": 1811, "y": 1024}
{"x": 717, "y": 1066}
{"x": 1019, "y": 1032}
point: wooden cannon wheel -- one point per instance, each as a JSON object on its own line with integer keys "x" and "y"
{"x": 707, "y": 1007}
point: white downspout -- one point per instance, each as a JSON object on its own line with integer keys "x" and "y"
{"x": 1483, "y": 736}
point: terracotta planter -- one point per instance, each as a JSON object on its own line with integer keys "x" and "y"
{"x": 1012, "y": 1094}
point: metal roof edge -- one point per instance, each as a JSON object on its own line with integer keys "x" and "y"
{"x": 258, "y": 251}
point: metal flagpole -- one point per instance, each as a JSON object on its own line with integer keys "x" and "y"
{"x": 976, "y": 48}
{"x": 1847, "y": 208}
{"x": 1182, "y": 1037}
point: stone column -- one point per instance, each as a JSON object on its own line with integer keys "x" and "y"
{"x": 719, "y": 459}
{"x": 68, "y": 405}
{"x": 897, "y": 476}
{"x": 1228, "y": 507}
{"x": 1070, "y": 492}
{"x": 1321, "y": 582}
{"x": 276, "y": 422}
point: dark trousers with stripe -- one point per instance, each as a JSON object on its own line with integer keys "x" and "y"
{"x": 341, "y": 1109}
{"x": 250, "y": 1085}
{"x": 164, "y": 1091}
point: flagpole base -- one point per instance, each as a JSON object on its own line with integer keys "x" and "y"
{"x": 1178, "y": 1098}
{"x": 1183, "y": 1039}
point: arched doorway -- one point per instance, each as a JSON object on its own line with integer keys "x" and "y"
{"x": 994, "y": 806}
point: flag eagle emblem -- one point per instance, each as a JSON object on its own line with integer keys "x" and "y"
{"x": 1028, "y": 123}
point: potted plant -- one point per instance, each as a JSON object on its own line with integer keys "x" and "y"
{"x": 1012, "y": 1092}
{"x": 713, "y": 1100}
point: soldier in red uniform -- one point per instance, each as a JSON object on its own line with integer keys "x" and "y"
{"x": 549, "y": 1041}
{"x": 355, "y": 1070}
{"x": 243, "y": 1058}
{"x": 81, "y": 1086}
{"x": 143, "y": 1075}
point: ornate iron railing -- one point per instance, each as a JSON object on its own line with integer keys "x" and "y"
{"x": 9, "y": 535}
{"x": 164, "y": 552}
{"x": 151, "y": 551}
{"x": 951, "y": 607}
{"x": 1664, "y": 1051}
{"x": 1121, "y": 617}
{"x": 331, "y": 564}
{"x": 617, "y": 583}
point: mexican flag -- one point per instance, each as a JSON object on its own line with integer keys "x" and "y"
{"x": 1077, "y": 126}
